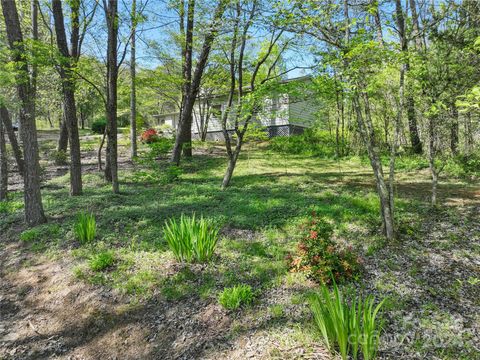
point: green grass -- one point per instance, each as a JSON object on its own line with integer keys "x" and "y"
{"x": 234, "y": 297}
{"x": 101, "y": 261}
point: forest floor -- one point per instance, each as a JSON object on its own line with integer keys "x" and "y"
{"x": 148, "y": 306}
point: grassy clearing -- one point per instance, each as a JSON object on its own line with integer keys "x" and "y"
{"x": 270, "y": 196}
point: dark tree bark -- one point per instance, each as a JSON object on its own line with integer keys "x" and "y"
{"x": 34, "y": 214}
{"x": 192, "y": 85}
{"x": 454, "y": 131}
{"x": 3, "y": 165}
{"x": 411, "y": 115}
{"x": 133, "y": 90}
{"x": 17, "y": 152}
{"x": 68, "y": 88}
{"x": 63, "y": 138}
{"x": 432, "y": 156}
{"x": 111, "y": 169}
{"x": 187, "y": 73}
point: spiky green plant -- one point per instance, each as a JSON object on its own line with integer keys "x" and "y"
{"x": 191, "y": 239}
{"x": 349, "y": 328}
{"x": 234, "y": 297}
{"x": 85, "y": 227}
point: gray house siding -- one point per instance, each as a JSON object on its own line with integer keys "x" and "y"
{"x": 281, "y": 115}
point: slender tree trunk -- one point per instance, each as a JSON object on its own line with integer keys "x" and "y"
{"x": 454, "y": 131}
{"x": 3, "y": 165}
{"x": 416, "y": 26}
{"x": 34, "y": 67}
{"x": 133, "y": 94}
{"x": 367, "y": 134}
{"x": 99, "y": 153}
{"x": 432, "y": 157}
{"x": 82, "y": 120}
{"x": 191, "y": 88}
{"x": 468, "y": 133}
{"x": 411, "y": 116}
{"x": 378, "y": 22}
{"x": 393, "y": 149}
{"x": 34, "y": 214}
{"x": 63, "y": 137}
{"x": 70, "y": 109}
{"x": 17, "y": 152}
{"x": 232, "y": 162}
{"x": 112, "y": 79}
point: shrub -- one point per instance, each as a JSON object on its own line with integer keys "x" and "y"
{"x": 59, "y": 157}
{"x": 319, "y": 257}
{"x": 149, "y": 136}
{"x": 191, "y": 239}
{"x": 160, "y": 147}
{"x": 311, "y": 142}
{"x": 85, "y": 227}
{"x": 234, "y": 297}
{"x": 99, "y": 125}
{"x": 349, "y": 328}
{"x": 101, "y": 261}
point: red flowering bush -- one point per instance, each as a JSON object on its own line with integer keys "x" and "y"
{"x": 320, "y": 257}
{"x": 149, "y": 136}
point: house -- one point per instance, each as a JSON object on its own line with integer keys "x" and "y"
{"x": 283, "y": 114}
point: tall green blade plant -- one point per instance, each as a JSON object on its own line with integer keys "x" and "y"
{"x": 350, "y": 329}
{"x": 85, "y": 227}
{"x": 191, "y": 239}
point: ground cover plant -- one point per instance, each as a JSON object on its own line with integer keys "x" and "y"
{"x": 234, "y": 297}
{"x": 351, "y": 326}
{"x": 190, "y": 238}
{"x": 85, "y": 227}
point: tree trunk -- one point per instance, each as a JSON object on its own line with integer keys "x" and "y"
{"x": 454, "y": 131}
{"x": 34, "y": 214}
{"x": 411, "y": 116}
{"x": 367, "y": 134}
{"x": 99, "y": 153}
{"x": 432, "y": 157}
{"x": 232, "y": 162}
{"x": 133, "y": 94}
{"x": 34, "y": 67}
{"x": 468, "y": 133}
{"x": 3, "y": 165}
{"x": 63, "y": 137}
{"x": 416, "y": 26}
{"x": 412, "y": 125}
{"x": 191, "y": 88}
{"x": 70, "y": 109}
{"x": 394, "y": 145}
{"x": 17, "y": 152}
{"x": 111, "y": 107}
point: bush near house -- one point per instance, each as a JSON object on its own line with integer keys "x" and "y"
{"x": 319, "y": 257}
{"x": 149, "y": 136}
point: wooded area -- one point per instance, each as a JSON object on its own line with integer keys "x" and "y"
{"x": 378, "y": 195}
